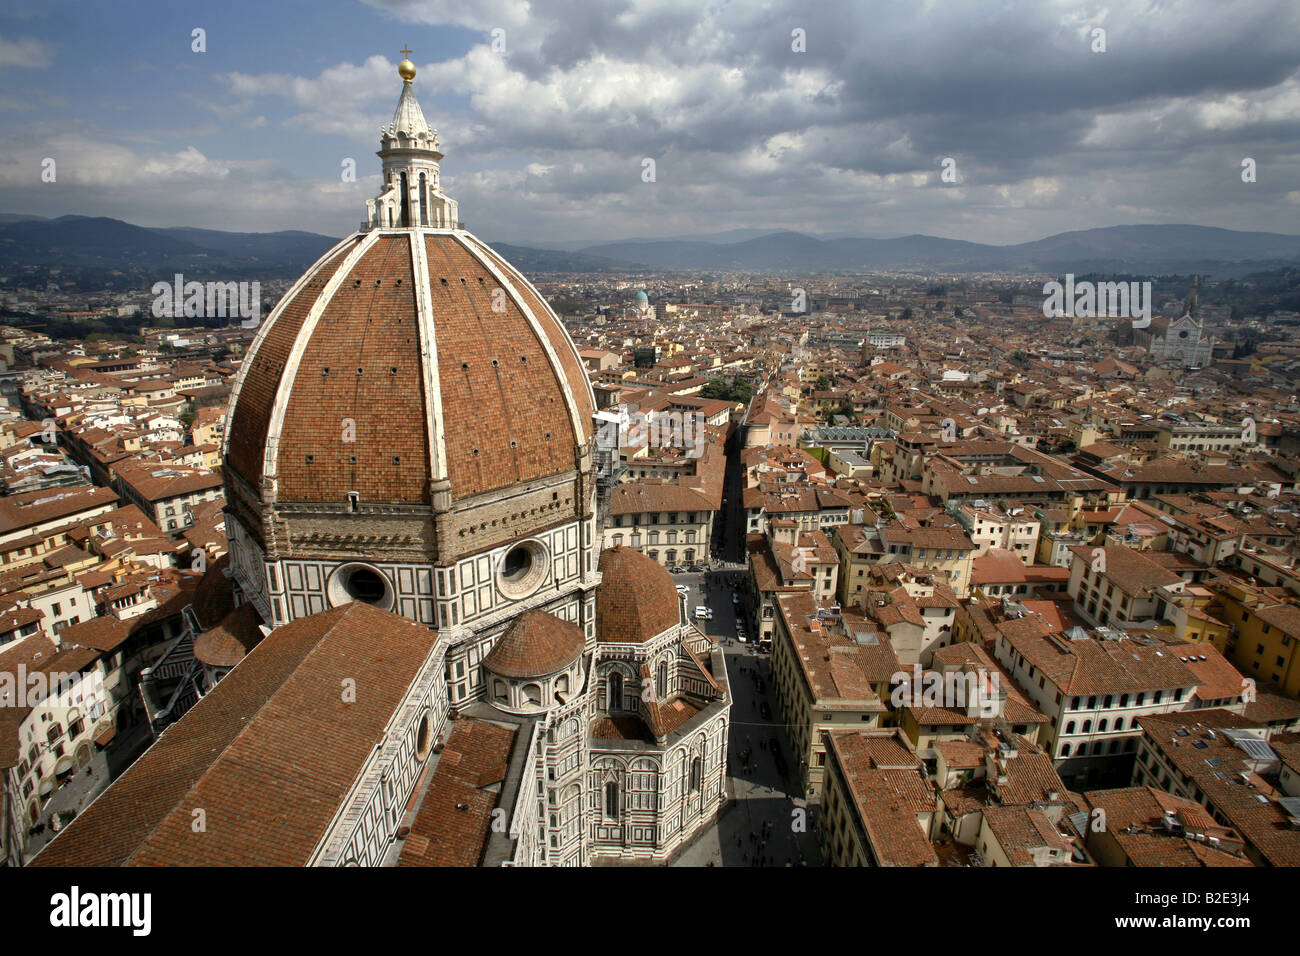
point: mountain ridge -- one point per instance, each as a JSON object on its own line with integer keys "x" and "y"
{"x": 106, "y": 243}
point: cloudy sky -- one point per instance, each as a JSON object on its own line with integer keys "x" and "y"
{"x": 545, "y": 140}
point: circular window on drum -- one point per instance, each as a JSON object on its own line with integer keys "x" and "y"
{"x": 424, "y": 737}
{"x": 360, "y": 582}
{"x": 522, "y": 569}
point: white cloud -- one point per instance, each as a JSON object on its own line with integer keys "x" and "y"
{"x": 549, "y": 138}
{"x": 24, "y": 51}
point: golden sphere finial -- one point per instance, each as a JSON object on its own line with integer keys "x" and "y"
{"x": 406, "y": 69}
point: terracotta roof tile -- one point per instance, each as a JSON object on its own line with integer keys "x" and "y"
{"x": 636, "y": 600}
{"x": 535, "y": 644}
{"x": 454, "y": 821}
{"x": 239, "y": 754}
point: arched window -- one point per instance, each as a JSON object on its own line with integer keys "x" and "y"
{"x": 1101, "y": 726}
{"x": 661, "y": 684}
{"x": 1087, "y": 726}
{"x": 1069, "y": 727}
{"x": 406, "y": 202}
{"x": 1065, "y": 750}
{"x": 611, "y": 800}
{"x": 424, "y": 202}
{"x": 562, "y": 684}
{"x": 615, "y": 681}
{"x": 697, "y": 774}
{"x": 533, "y": 693}
{"x": 499, "y": 689}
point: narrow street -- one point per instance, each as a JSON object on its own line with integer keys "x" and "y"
{"x": 763, "y": 824}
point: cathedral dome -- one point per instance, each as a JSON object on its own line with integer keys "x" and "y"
{"x": 412, "y": 426}
{"x": 405, "y": 356}
{"x": 637, "y": 599}
{"x": 536, "y": 644}
{"x": 410, "y": 360}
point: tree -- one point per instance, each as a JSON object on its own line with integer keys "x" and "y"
{"x": 823, "y": 383}
{"x": 736, "y": 391}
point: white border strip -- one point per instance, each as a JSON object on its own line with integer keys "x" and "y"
{"x": 591, "y": 395}
{"x": 579, "y": 430}
{"x": 270, "y": 463}
{"x": 433, "y": 419}
{"x": 249, "y": 356}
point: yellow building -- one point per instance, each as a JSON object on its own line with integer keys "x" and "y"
{"x": 1192, "y": 614}
{"x": 1264, "y": 635}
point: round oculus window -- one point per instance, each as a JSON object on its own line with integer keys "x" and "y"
{"x": 423, "y": 737}
{"x": 360, "y": 582}
{"x": 522, "y": 569}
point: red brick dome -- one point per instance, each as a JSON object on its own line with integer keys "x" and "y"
{"x": 636, "y": 600}
{"x": 405, "y": 357}
{"x": 534, "y": 645}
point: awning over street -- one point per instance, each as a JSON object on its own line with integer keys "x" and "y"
{"x": 104, "y": 736}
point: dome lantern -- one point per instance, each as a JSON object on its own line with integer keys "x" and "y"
{"x": 412, "y": 193}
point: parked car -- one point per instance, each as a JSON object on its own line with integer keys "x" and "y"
{"x": 683, "y": 589}
{"x": 703, "y": 613}
{"x": 697, "y": 569}
{"x": 677, "y": 569}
